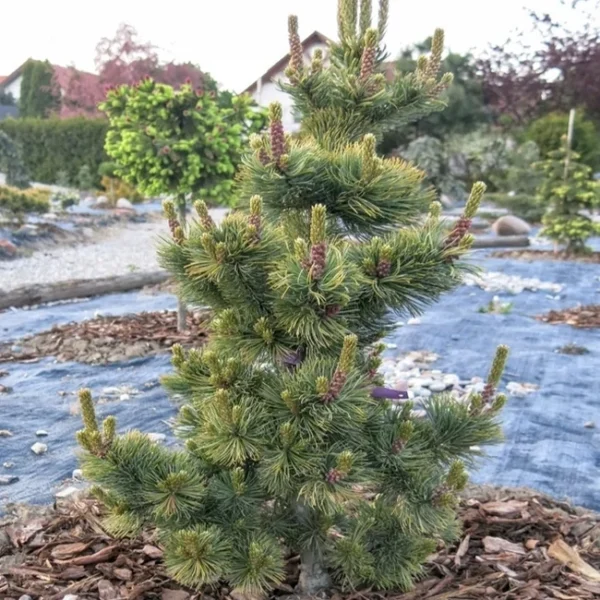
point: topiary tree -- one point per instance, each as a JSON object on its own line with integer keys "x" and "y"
{"x": 11, "y": 163}
{"x": 292, "y": 448}
{"x": 567, "y": 189}
{"x": 40, "y": 95}
{"x": 179, "y": 142}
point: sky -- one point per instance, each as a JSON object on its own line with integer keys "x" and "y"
{"x": 238, "y": 40}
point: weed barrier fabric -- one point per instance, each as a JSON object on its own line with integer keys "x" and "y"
{"x": 547, "y": 446}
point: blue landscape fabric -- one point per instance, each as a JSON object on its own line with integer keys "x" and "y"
{"x": 547, "y": 446}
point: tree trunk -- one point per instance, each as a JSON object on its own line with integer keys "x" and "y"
{"x": 313, "y": 573}
{"x": 181, "y": 307}
{"x": 314, "y": 577}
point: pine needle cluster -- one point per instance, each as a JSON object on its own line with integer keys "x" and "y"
{"x": 286, "y": 450}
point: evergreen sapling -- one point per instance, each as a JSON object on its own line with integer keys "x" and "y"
{"x": 567, "y": 189}
{"x": 286, "y": 450}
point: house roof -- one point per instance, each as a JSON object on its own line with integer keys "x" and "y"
{"x": 314, "y": 38}
{"x": 63, "y": 75}
{"x": 7, "y": 79}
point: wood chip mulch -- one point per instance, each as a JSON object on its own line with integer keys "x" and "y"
{"x": 109, "y": 339}
{"x": 531, "y": 255}
{"x": 516, "y": 545}
{"x": 584, "y": 317}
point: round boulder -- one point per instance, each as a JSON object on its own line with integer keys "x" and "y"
{"x": 102, "y": 202}
{"x": 511, "y": 225}
{"x": 124, "y": 203}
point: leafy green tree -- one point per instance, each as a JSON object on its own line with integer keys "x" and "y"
{"x": 567, "y": 190}
{"x": 39, "y": 95}
{"x": 290, "y": 448}
{"x": 547, "y": 133}
{"x": 179, "y": 142}
{"x": 11, "y": 163}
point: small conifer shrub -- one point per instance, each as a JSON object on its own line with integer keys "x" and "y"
{"x": 567, "y": 189}
{"x": 288, "y": 449}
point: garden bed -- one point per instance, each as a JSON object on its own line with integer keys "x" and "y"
{"x": 585, "y": 317}
{"x": 531, "y": 255}
{"x": 516, "y": 545}
{"x": 108, "y": 339}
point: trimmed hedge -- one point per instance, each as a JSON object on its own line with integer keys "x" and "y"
{"x": 19, "y": 201}
{"x": 52, "y": 145}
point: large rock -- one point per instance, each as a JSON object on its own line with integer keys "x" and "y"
{"x": 102, "y": 202}
{"x": 7, "y": 249}
{"x": 89, "y": 202}
{"x": 124, "y": 203}
{"x": 511, "y": 225}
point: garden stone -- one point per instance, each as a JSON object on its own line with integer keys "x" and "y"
{"x": 41, "y": 433}
{"x": 124, "y": 203}
{"x": 158, "y": 438}
{"x": 5, "y": 433}
{"x": 511, "y": 225}
{"x": 102, "y": 202}
{"x": 25, "y": 597}
{"x": 67, "y": 492}
{"x": 71, "y": 597}
{"x": 8, "y": 479}
{"x": 39, "y": 448}
{"x": 437, "y": 386}
{"x": 7, "y": 249}
{"x": 590, "y": 425}
{"x": 77, "y": 474}
{"x": 451, "y": 379}
{"x": 8, "y": 465}
{"x": 89, "y": 201}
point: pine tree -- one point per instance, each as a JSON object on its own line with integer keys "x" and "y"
{"x": 287, "y": 450}
{"x": 567, "y": 189}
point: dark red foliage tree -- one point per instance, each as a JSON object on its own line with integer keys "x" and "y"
{"x": 122, "y": 59}
{"x": 521, "y": 82}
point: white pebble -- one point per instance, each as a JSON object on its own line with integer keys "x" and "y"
{"x": 590, "y": 425}
{"x": 414, "y": 321}
{"x": 451, "y": 379}
{"x": 124, "y": 397}
{"x": 158, "y": 438}
{"x": 39, "y": 448}
{"x": 77, "y": 474}
{"x": 437, "y": 386}
{"x": 67, "y": 492}
{"x": 41, "y": 433}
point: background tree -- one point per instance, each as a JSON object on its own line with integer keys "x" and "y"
{"x": 39, "y": 94}
{"x": 547, "y": 133}
{"x": 11, "y": 163}
{"x": 178, "y": 142}
{"x": 465, "y": 108}
{"x": 522, "y": 81}
{"x": 567, "y": 190}
{"x": 288, "y": 449}
{"x": 6, "y": 98}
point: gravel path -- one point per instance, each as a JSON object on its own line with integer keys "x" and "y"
{"x": 121, "y": 250}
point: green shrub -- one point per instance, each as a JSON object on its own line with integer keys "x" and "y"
{"x": 18, "y": 201}
{"x": 52, "y": 145}
{"x": 547, "y": 132}
{"x": 568, "y": 190}
{"x": 11, "y": 163}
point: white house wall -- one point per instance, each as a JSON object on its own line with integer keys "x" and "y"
{"x": 270, "y": 92}
{"x": 14, "y": 88}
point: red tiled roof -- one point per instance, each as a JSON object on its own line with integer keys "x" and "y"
{"x": 314, "y": 38}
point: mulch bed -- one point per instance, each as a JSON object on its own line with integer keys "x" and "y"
{"x": 531, "y": 255}
{"x": 109, "y": 339}
{"x": 516, "y": 545}
{"x": 584, "y": 317}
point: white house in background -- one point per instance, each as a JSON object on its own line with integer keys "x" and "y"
{"x": 265, "y": 89}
